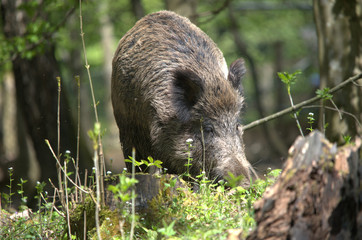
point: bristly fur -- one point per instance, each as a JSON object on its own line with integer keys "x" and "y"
{"x": 167, "y": 76}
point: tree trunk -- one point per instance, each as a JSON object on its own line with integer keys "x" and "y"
{"x": 36, "y": 94}
{"x": 317, "y": 196}
{"x": 107, "y": 39}
{"x": 9, "y": 127}
{"x": 137, "y": 9}
{"x": 186, "y": 8}
{"x": 339, "y": 30}
{"x": 275, "y": 143}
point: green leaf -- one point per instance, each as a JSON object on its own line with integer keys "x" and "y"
{"x": 158, "y": 163}
{"x": 324, "y": 94}
{"x": 347, "y": 139}
{"x": 150, "y": 159}
{"x": 167, "y": 230}
{"x": 274, "y": 173}
{"x": 283, "y": 78}
{"x": 289, "y": 79}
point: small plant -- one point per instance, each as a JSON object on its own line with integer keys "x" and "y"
{"x": 189, "y": 157}
{"x": 122, "y": 193}
{"x": 148, "y": 163}
{"x": 289, "y": 79}
{"x": 7, "y": 197}
{"x": 347, "y": 139}
{"x": 120, "y": 190}
{"x": 39, "y": 189}
{"x": 310, "y": 121}
{"x": 233, "y": 181}
{"x": 24, "y": 199}
{"x": 171, "y": 183}
{"x": 324, "y": 94}
{"x": 167, "y": 229}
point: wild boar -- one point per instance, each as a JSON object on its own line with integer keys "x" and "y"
{"x": 170, "y": 83}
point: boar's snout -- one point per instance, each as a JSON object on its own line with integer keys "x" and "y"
{"x": 227, "y": 157}
{"x": 233, "y": 166}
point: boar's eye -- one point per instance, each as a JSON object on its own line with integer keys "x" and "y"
{"x": 208, "y": 130}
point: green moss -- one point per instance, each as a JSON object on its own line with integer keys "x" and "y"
{"x": 85, "y": 212}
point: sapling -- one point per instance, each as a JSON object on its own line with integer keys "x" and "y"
{"x": 189, "y": 157}
{"x": 310, "y": 121}
{"x": 7, "y": 197}
{"x": 325, "y": 94}
{"x": 24, "y": 199}
{"x": 290, "y": 79}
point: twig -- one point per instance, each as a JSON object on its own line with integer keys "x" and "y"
{"x": 300, "y": 105}
{"x": 85, "y": 225}
{"x": 61, "y": 196}
{"x": 87, "y": 66}
{"x": 84, "y": 211}
{"x": 323, "y": 113}
{"x": 357, "y": 84}
{"x": 66, "y": 199}
{"x": 54, "y": 198}
{"x": 335, "y": 106}
{"x": 133, "y": 195}
{"x": 58, "y": 118}
{"x": 98, "y": 193}
{"x": 70, "y": 180}
{"x": 77, "y": 177}
{"x": 212, "y": 14}
{"x": 295, "y": 114}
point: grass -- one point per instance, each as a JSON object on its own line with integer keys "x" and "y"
{"x": 205, "y": 213}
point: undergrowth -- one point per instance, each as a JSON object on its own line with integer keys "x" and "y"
{"x": 206, "y": 213}
{"x": 180, "y": 211}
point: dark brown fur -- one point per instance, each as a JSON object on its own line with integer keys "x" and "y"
{"x": 167, "y": 76}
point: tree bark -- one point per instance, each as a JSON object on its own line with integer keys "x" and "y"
{"x": 339, "y": 30}
{"x": 36, "y": 94}
{"x": 317, "y": 196}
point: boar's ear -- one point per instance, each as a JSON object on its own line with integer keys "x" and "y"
{"x": 187, "y": 89}
{"x": 236, "y": 73}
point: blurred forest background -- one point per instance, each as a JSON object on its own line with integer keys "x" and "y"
{"x": 40, "y": 41}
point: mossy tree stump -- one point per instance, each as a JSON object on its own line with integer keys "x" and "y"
{"x": 318, "y": 195}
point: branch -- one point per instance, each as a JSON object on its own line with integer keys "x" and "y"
{"x": 44, "y": 38}
{"x": 215, "y": 11}
{"x": 302, "y": 104}
{"x": 56, "y": 158}
{"x": 260, "y": 6}
{"x": 212, "y": 14}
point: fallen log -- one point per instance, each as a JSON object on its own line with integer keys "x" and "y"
{"x": 317, "y": 196}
